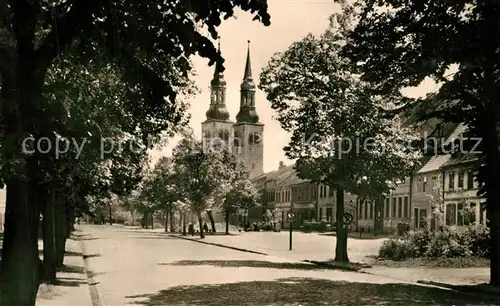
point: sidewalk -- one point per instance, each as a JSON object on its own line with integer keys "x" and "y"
{"x": 72, "y": 289}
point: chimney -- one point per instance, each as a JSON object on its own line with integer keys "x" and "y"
{"x": 281, "y": 165}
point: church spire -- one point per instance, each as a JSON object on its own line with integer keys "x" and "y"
{"x": 217, "y": 110}
{"x": 248, "y": 66}
{"x": 247, "y": 113}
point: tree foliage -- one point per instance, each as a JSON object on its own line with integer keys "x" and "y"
{"x": 340, "y": 135}
{"x": 397, "y": 44}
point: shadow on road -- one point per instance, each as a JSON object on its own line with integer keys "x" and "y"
{"x": 70, "y": 282}
{"x": 68, "y": 253}
{"x": 72, "y": 269}
{"x": 249, "y": 264}
{"x": 92, "y": 238}
{"x": 306, "y": 291}
{"x": 164, "y": 237}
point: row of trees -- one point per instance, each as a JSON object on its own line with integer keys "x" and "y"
{"x": 346, "y": 84}
{"x": 80, "y": 72}
{"x": 197, "y": 179}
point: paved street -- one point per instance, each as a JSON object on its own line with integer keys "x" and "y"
{"x": 138, "y": 267}
{"x": 311, "y": 246}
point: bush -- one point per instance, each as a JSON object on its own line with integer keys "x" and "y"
{"x": 449, "y": 242}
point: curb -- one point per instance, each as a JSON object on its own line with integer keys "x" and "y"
{"x": 461, "y": 288}
{"x": 219, "y": 245}
{"x": 94, "y": 294}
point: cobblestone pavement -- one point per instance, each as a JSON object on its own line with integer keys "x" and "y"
{"x": 135, "y": 267}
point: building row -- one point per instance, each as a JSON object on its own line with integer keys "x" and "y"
{"x": 442, "y": 191}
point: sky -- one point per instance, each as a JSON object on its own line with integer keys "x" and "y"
{"x": 290, "y": 21}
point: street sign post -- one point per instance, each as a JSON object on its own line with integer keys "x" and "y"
{"x": 290, "y": 215}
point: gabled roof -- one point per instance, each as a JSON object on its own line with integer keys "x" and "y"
{"x": 276, "y": 175}
{"x": 451, "y": 132}
{"x": 461, "y": 159}
{"x": 293, "y": 179}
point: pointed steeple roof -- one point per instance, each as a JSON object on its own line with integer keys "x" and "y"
{"x": 217, "y": 110}
{"x": 248, "y": 83}
{"x": 247, "y": 113}
{"x": 218, "y": 79}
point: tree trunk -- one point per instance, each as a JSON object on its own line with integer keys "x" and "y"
{"x": 211, "y": 218}
{"x": 378, "y": 221}
{"x": 166, "y": 222}
{"x": 110, "y": 216}
{"x": 200, "y": 221}
{"x": 171, "y": 215}
{"x": 493, "y": 199}
{"x": 227, "y": 221}
{"x": 20, "y": 266}
{"x": 184, "y": 230}
{"x": 341, "y": 247}
{"x": 62, "y": 231}
{"x": 49, "y": 237}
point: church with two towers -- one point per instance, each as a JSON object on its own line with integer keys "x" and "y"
{"x": 244, "y": 138}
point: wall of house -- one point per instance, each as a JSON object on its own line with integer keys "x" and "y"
{"x": 304, "y": 198}
{"x": 460, "y": 188}
{"x": 423, "y": 191}
{"x": 283, "y": 204}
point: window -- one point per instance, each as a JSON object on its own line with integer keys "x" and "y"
{"x": 419, "y": 184}
{"x": 236, "y": 139}
{"x": 283, "y": 199}
{"x": 424, "y": 184}
{"x": 460, "y": 217}
{"x": 256, "y": 138}
{"x": 406, "y": 207}
{"x": 451, "y": 180}
{"x": 207, "y": 134}
{"x": 321, "y": 189}
{"x": 400, "y": 207}
{"x": 387, "y": 208}
{"x": 250, "y": 138}
{"x": 371, "y": 210}
{"x": 434, "y": 181}
{"x": 393, "y": 208}
{"x": 423, "y": 217}
{"x": 461, "y": 179}
{"x": 471, "y": 219}
{"x": 330, "y": 191}
{"x": 451, "y": 214}
{"x": 366, "y": 210}
{"x": 470, "y": 179}
{"x": 329, "y": 214}
{"x": 360, "y": 210}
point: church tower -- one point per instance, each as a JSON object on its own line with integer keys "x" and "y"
{"x": 217, "y": 129}
{"x": 248, "y": 131}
